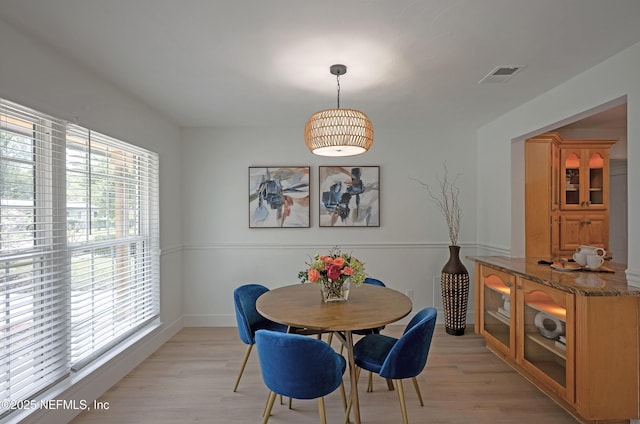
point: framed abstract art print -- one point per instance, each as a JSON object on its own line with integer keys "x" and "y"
{"x": 279, "y": 197}
{"x": 349, "y": 196}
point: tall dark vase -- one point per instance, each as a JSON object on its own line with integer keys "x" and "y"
{"x": 454, "y": 283}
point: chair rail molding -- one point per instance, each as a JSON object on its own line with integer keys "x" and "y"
{"x": 322, "y": 246}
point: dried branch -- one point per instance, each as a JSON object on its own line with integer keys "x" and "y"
{"x": 447, "y": 200}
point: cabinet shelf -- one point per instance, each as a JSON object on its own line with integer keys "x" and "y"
{"x": 550, "y": 308}
{"x": 548, "y": 344}
{"x": 497, "y": 287}
{"x": 541, "y": 302}
{"x": 503, "y": 319}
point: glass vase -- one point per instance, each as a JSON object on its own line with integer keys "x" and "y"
{"x": 335, "y": 291}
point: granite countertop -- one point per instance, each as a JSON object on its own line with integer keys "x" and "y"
{"x": 581, "y": 282}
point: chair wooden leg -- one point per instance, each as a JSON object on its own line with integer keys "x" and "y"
{"x": 323, "y": 414}
{"x": 370, "y": 383}
{"x": 403, "y": 404}
{"x": 290, "y": 403}
{"x": 417, "y": 387}
{"x": 330, "y": 339}
{"x": 390, "y": 384}
{"x": 266, "y": 405}
{"x": 282, "y": 402}
{"x": 269, "y": 407}
{"x": 244, "y": 364}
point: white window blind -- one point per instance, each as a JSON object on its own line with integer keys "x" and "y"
{"x": 33, "y": 259}
{"x": 112, "y": 231}
{"x": 79, "y": 248}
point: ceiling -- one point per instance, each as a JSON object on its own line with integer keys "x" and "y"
{"x": 266, "y": 63}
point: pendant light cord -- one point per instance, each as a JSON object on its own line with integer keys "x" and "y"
{"x": 338, "y": 81}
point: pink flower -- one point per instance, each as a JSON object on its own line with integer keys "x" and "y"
{"x": 347, "y": 270}
{"x": 333, "y": 272}
{"x": 313, "y": 275}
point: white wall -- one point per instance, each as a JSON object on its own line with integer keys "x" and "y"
{"x": 500, "y": 211}
{"x": 32, "y": 75}
{"x": 207, "y": 246}
{"x": 407, "y": 251}
{"x": 618, "y": 150}
{"x": 618, "y": 218}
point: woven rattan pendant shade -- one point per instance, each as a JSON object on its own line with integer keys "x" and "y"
{"x": 338, "y": 132}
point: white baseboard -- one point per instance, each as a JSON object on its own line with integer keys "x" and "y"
{"x": 210, "y": 320}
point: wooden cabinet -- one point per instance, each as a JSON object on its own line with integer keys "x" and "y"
{"x": 582, "y": 351}
{"x": 585, "y": 176}
{"x": 566, "y": 195}
{"x": 497, "y": 322}
{"x": 542, "y": 202}
{"x": 576, "y": 229}
{"x": 546, "y": 329}
{"x": 510, "y": 308}
{"x": 606, "y": 357}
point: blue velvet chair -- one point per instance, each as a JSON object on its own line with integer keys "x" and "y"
{"x": 397, "y": 359}
{"x": 376, "y": 330}
{"x": 298, "y": 367}
{"x": 367, "y": 331}
{"x": 364, "y": 332}
{"x": 249, "y": 320}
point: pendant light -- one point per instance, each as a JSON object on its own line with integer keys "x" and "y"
{"x": 338, "y": 132}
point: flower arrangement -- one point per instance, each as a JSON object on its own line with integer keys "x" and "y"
{"x": 332, "y": 271}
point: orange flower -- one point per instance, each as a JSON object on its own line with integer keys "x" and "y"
{"x": 340, "y": 261}
{"x": 335, "y": 268}
{"x": 314, "y": 275}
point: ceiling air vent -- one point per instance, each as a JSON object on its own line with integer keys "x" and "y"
{"x": 501, "y": 74}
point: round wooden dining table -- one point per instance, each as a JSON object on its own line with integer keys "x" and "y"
{"x": 369, "y": 306}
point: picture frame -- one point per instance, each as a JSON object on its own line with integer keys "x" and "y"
{"x": 349, "y": 196}
{"x": 279, "y": 197}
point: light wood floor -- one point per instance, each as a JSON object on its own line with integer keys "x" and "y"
{"x": 190, "y": 379}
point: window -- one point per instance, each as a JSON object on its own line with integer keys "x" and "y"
{"x": 79, "y": 247}
{"x": 111, "y": 217}
{"x": 33, "y": 263}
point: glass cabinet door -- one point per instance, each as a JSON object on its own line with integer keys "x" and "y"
{"x": 585, "y": 176}
{"x": 596, "y": 179}
{"x": 572, "y": 184}
{"x": 498, "y": 316}
{"x": 546, "y": 345}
